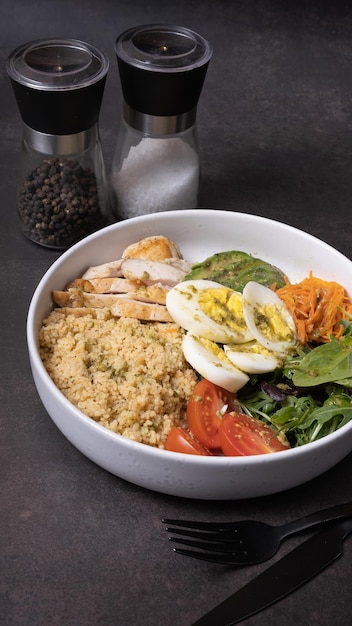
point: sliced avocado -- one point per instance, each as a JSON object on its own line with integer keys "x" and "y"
{"x": 237, "y": 276}
{"x": 235, "y": 269}
{"x": 215, "y": 263}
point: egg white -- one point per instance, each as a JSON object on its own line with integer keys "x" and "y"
{"x": 217, "y": 370}
{"x": 255, "y": 298}
{"x": 252, "y": 358}
{"x": 182, "y": 302}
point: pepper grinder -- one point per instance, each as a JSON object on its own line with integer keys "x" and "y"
{"x": 62, "y": 192}
{"x": 156, "y": 163}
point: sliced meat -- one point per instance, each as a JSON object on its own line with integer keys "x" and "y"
{"x": 76, "y": 297}
{"x": 120, "y": 305}
{"x": 156, "y": 248}
{"x": 150, "y": 293}
{"x": 105, "y": 270}
{"x": 136, "y": 290}
{"x": 72, "y": 298}
{"x": 105, "y": 285}
{"x": 181, "y": 264}
{"x": 141, "y": 310}
{"x": 151, "y": 272}
{"x": 133, "y": 286}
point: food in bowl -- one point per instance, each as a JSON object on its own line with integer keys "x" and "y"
{"x": 127, "y": 376}
{"x": 200, "y": 233}
{"x": 131, "y": 336}
{"x": 112, "y": 348}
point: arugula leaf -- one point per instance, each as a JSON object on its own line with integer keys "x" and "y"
{"x": 319, "y": 421}
{"x": 316, "y": 399}
{"x": 302, "y": 419}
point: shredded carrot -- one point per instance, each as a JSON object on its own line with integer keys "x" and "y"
{"x": 317, "y": 307}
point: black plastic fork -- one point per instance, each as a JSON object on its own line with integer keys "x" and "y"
{"x": 243, "y": 542}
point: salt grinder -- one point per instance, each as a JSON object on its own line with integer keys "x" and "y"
{"x": 62, "y": 192}
{"x": 156, "y": 164}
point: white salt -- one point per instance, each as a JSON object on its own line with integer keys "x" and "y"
{"x": 157, "y": 175}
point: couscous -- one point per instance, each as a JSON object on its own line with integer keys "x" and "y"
{"x": 128, "y": 375}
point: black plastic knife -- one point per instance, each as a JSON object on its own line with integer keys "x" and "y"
{"x": 283, "y": 577}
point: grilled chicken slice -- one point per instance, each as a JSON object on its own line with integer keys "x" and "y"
{"x": 133, "y": 286}
{"x": 77, "y": 297}
{"x": 105, "y": 285}
{"x": 120, "y": 305}
{"x": 156, "y": 248}
{"x": 145, "y": 311}
{"x": 125, "y": 308}
{"x": 105, "y": 270}
{"x": 137, "y": 291}
{"x": 151, "y": 272}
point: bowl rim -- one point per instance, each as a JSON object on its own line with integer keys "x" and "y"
{"x": 32, "y": 343}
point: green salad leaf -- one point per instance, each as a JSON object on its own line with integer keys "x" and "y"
{"x": 328, "y": 362}
{"x": 302, "y": 419}
{"x": 310, "y": 397}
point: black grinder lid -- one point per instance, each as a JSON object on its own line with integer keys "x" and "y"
{"x": 58, "y": 84}
{"x": 162, "y": 68}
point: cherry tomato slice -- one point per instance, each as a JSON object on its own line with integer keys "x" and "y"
{"x": 241, "y": 435}
{"x": 180, "y": 440}
{"x": 205, "y": 408}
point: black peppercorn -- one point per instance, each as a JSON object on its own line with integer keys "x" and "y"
{"x": 59, "y": 204}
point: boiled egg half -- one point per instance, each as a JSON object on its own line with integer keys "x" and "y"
{"x": 231, "y": 335}
{"x": 268, "y": 319}
{"x": 209, "y": 310}
{"x": 252, "y": 357}
{"x": 211, "y": 362}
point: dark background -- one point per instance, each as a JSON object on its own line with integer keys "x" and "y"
{"x": 78, "y": 545}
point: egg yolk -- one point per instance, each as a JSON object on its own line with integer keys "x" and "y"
{"x": 253, "y": 347}
{"x": 223, "y": 306}
{"x": 271, "y": 323}
{"x": 214, "y": 349}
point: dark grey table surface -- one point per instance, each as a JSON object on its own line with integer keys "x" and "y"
{"x": 78, "y": 545}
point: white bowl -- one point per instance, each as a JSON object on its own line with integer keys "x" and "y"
{"x": 199, "y": 233}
